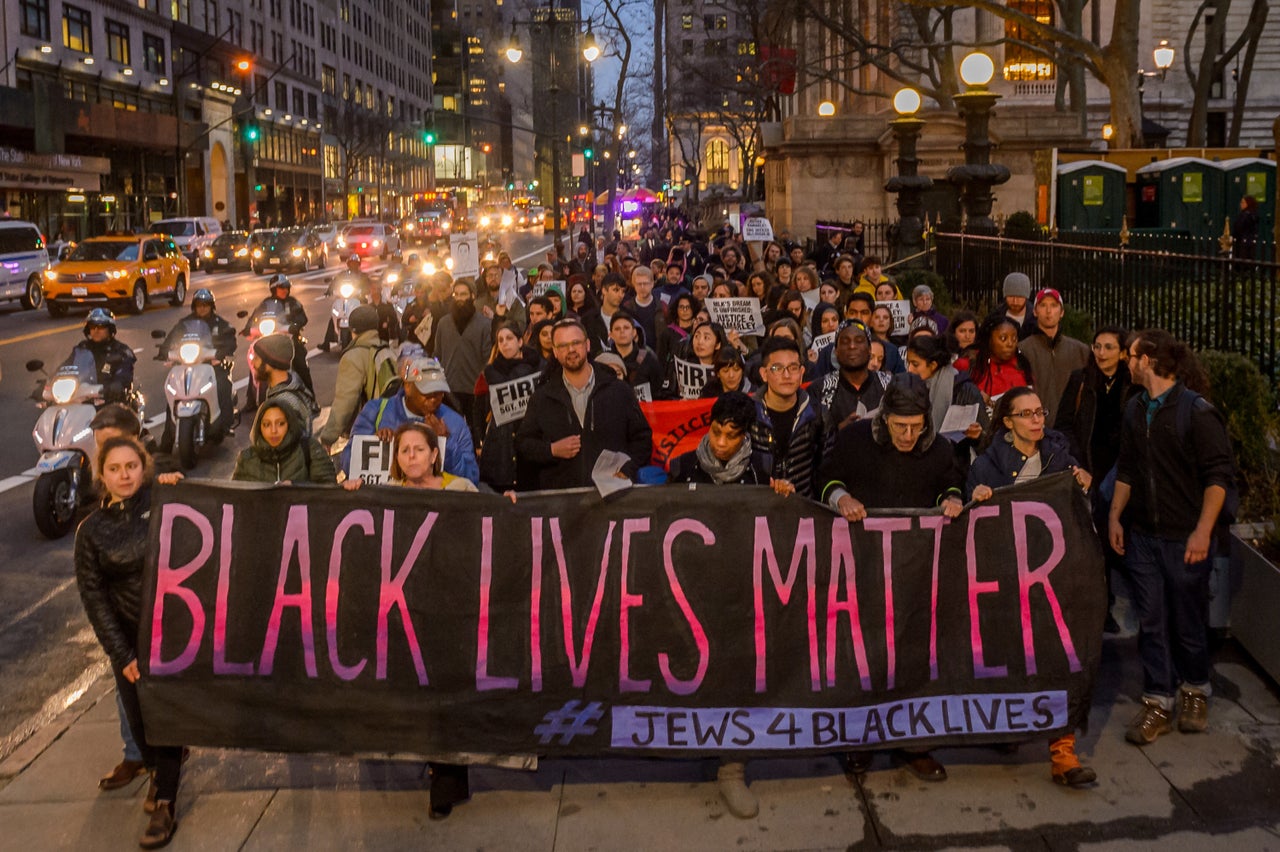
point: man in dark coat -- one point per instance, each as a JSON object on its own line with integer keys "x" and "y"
{"x": 579, "y": 411}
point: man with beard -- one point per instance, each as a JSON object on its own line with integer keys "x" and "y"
{"x": 272, "y": 357}
{"x": 579, "y": 411}
{"x": 673, "y": 285}
{"x": 582, "y": 263}
{"x": 852, "y": 390}
{"x": 490, "y": 302}
{"x": 734, "y": 269}
{"x": 463, "y": 340}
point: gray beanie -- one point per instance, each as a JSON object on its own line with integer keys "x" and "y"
{"x": 1017, "y": 284}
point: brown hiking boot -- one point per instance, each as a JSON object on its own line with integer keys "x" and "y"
{"x": 122, "y": 775}
{"x": 1150, "y": 723}
{"x": 1067, "y": 769}
{"x": 1193, "y": 711}
{"x": 161, "y": 828}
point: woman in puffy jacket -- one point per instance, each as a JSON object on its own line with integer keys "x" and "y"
{"x": 110, "y": 552}
{"x": 278, "y": 452}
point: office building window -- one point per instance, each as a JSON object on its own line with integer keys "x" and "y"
{"x": 153, "y": 53}
{"x": 117, "y": 42}
{"x": 77, "y": 29}
{"x": 35, "y": 19}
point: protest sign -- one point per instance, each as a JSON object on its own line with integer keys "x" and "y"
{"x": 757, "y": 230}
{"x": 508, "y": 400}
{"x": 823, "y": 340}
{"x": 304, "y": 619}
{"x": 691, "y": 377}
{"x": 541, "y": 288}
{"x": 740, "y": 314}
{"x": 677, "y": 427}
{"x": 901, "y": 310}
{"x": 370, "y": 459}
{"x": 644, "y": 393}
{"x": 464, "y": 249}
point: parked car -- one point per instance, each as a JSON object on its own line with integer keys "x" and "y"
{"x": 328, "y": 235}
{"x": 192, "y": 234}
{"x": 229, "y": 251}
{"x": 23, "y": 261}
{"x": 123, "y": 270}
{"x": 371, "y": 239}
{"x": 287, "y": 248}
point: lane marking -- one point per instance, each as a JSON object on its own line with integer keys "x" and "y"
{"x": 48, "y": 596}
{"x": 33, "y": 335}
{"x": 57, "y": 703}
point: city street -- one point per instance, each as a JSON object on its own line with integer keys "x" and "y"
{"x": 47, "y": 651}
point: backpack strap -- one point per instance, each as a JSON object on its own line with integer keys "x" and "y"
{"x": 382, "y": 408}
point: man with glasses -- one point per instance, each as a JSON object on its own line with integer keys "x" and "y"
{"x": 1053, "y": 356}
{"x": 1173, "y": 476}
{"x": 893, "y": 461}
{"x": 790, "y": 425}
{"x": 578, "y": 411}
{"x": 852, "y": 391}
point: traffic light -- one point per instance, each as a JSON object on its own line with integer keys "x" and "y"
{"x": 511, "y": 185}
{"x": 257, "y": 187}
{"x": 588, "y": 153}
{"x": 251, "y": 133}
{"x": 429, "y": 136}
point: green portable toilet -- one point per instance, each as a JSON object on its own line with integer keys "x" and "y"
{"x": 1250, "y": 176}
{"x": 1090, "y": 196}
{"x": 1181, "y": 194}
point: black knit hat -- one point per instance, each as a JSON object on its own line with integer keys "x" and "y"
{"x": 275, "y": 350}
{"x": 907, "y": 395}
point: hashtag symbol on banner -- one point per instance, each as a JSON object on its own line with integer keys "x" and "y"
{"x": 569, "y": 721}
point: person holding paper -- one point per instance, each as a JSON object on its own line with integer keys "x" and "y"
{"x": 853, "y": 390}
{"x": 1022, "y": 449}
{"x": 951, "y": 395}
{"x": 509, "y": 361}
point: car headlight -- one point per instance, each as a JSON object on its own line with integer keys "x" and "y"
{"x": 266, "y": 326}
{"x": 244, "y": 252}
{"x": 51, "y": 275}
{"x": 377, "y": 243}
{"x": 208, "y": 253}
{"x": 297, "y": 252}
{"x": 445, "y": 225}
{"x": 62, "y": 390}
{"x": 488, "y": 256}
{"x": 346, "y": 290}
{"x": 257, "y": 253}
{"x": 484, "y": 221}
{"x": 189, "y": 353}
{"x": 506, "y": 221}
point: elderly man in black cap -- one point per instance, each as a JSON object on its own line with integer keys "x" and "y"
{"x": 893, "y": 461}
{"x": 272, "y": 357}
{"x": 358, "y": 373}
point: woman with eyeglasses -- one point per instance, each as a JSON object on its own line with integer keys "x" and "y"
{"x": 682, "y": 315}
{"x": 1022, "y": 449}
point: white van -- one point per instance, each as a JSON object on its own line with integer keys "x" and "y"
{"x": 23, "y": 261}
{"x": 192, "y": 234}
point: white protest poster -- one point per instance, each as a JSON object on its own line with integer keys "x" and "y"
{"x": 370, "y": 459}
{"x": 741, "y": 314}
{"x": 824, "y": 340}
{"x": 541, "y": 288}
{"x": 643, "y": 392}
{"x": 691, "y": 377}
{"x": 509, "y": 400}
{"x": 901, "y": 311}
{"x": 810, "y": 298}
{"x": 464, "y": 248}
{"x": 757, "y": 230}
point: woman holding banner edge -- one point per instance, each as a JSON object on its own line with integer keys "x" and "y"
{"x": 110, "y": 555}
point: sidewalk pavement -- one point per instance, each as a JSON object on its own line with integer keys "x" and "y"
{"x": 1219, "y": 790}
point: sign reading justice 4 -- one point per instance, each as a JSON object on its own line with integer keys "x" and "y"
{"x": 664, "y": 620}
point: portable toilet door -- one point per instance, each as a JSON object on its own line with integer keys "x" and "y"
{"x": 1250, "y": 176}
{"x": 1091, "y": 196}
{"x": 1188, "y": 194}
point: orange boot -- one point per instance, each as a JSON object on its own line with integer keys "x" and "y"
{"x": 1066, "y": 766}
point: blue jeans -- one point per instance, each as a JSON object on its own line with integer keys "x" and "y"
{"x": 131, "y": 750}
{"x": 1171, "y": 599}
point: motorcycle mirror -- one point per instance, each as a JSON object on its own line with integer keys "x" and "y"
{"x": 157, "y": 334}
{"x": 241, "y": 314}
{"x": 35, "y": 365}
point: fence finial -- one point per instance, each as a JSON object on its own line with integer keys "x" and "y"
{"x": 1124, "y": 231}
{"x": 1053, "y": 232}
{"x": 1000, "y": 223}
{"x": 1226, "y": 240}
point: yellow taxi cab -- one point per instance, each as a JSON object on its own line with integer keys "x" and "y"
{"x": 118, "y": 270}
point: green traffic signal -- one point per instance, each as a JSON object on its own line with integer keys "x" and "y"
{"x": 588, "y": 153}
{"x": 429, "y": 137}
{"x": 251, "y": 133}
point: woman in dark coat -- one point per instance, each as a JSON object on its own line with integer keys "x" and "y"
{"x": 510, "y": 360}
{"x": 278, "y": 452}
{"x": 110, "y": 552}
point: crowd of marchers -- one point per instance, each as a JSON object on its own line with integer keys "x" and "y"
{"x": 833, "y": 402}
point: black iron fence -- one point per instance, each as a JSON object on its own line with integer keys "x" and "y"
{"x": 1212, "y": 302}
{"x": 876, "y": 239}
{"x": 1262, "y": 247}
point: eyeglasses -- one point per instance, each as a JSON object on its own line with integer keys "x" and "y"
{"x": 569, "y": 344}
{"x": 905, "y": 428}
{"x": 1030, "y": 414}
{"x": 786, "y": 369}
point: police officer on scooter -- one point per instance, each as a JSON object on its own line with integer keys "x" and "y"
{"x": 363, "y": 285}
{"x": 292, "y": 319}
{"x": 113, "y": 360}
{"x": 204, "y": 309}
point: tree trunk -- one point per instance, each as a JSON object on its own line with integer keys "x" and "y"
{"x": 1119, "y": 65}
{"x": 1257, "y": 21}
{"x": 657, "y": 127}
{"x": 1198, "y": 125}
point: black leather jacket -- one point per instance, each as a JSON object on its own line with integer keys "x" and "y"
{"x": 289, "y": 313}
{"x": 221, "y": 332}
{"x": 114, "y": 362}
{"x": 111, "y": 549}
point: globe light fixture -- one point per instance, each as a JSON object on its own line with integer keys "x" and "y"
{"x": 826, "y": 109}
{"x": 977, "y": 69}
{"x": 906, "y": 101}
{"x": 1163, "y": 56}
{"x": 590, "y": 50}
{"x": 1108, "y": 130}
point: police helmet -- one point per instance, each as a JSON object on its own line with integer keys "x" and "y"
{"x": 100, "y": 317}
{"x": 204, "y": 294}
{"x": 279, "y": 280}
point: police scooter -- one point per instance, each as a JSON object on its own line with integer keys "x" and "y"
{"x": 269, "y": 322}
{"x": 191, "y": 391}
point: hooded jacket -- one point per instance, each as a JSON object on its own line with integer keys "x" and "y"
{"x": 864, "y": 463}
{"x": 613, "y": 422}
{"x": 349, "y": 390}
{"x": 110, "y": 552}
{"x": 1001, "y": 463}
{"x": 499, "y": 465}
{"x": 297, "y": 459}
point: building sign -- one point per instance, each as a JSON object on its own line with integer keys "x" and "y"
{"x": 53, "y": 172}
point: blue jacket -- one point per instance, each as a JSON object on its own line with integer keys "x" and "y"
{"x": 459, "y": 451}
{"x": 999, "y": 465}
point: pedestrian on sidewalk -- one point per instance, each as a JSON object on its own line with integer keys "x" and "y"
{"x": 1173, "y": 476}
{"x": 110, "y": 553}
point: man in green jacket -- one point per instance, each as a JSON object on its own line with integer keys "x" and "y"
{"x": 357, "y": 374}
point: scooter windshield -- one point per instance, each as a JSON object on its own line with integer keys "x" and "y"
{"x": 195, "y": 331}
{"x": 80, "y": 366}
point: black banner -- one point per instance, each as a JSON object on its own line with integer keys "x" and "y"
{"x": 660, "y": 621}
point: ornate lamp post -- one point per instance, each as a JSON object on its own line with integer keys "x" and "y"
{"x": 909, "y": 240}
{"x": 978, "y": 174}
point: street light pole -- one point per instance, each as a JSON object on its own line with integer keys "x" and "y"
{"x": 978, "y": 174}
{"x": 908, "y": 183}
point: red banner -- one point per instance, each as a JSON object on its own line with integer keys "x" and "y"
{"x": 677, "y": 427}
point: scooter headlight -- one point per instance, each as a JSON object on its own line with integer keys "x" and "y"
{"x": 266, "y": 326}
{"x": 189, "y": 353}
{"x": 392, "y": 277}
{"x": 62, "y": 390}
{"x": 346, "y": 290}
{"x": 446, "y": 225}
{"x": 448, "y": 263}
{"x": 429, "y": 268}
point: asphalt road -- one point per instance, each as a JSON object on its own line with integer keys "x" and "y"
{"x": 48, "y": 654}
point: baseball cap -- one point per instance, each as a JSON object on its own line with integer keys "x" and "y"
{"x": 426, "y": 375}
{"x": 1049, "y": 293}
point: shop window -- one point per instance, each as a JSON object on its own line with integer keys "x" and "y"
{"x": 35, "y": 19}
